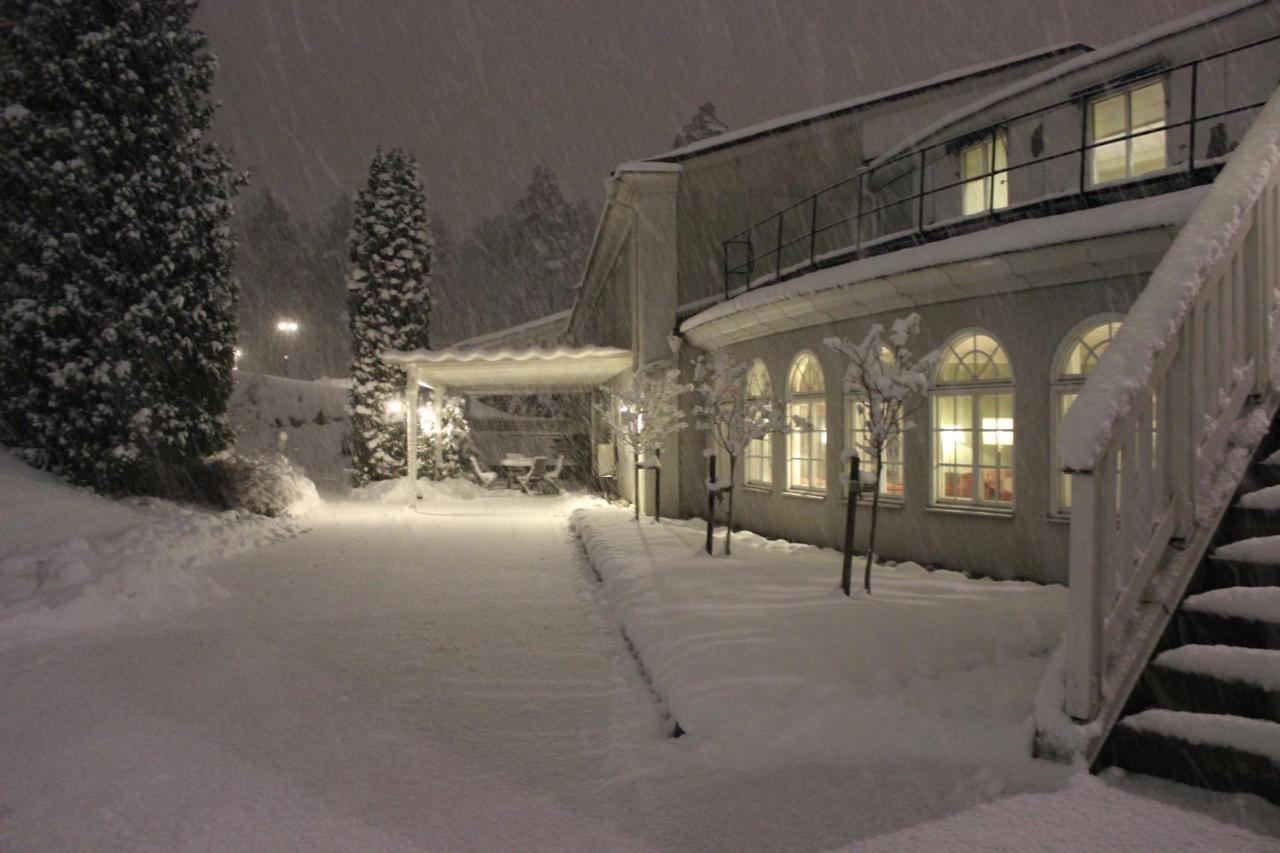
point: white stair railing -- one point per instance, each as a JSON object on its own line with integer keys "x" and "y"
{"x": 1153, "y": 420}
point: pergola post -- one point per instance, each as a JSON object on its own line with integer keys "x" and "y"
{"x": 438, "y": 393}
{"x": 411, "y": 423}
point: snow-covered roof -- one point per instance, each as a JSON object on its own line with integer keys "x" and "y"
{"x": 513, "y": 331}
{"x": 804, "y": 117}
{"x": 507, "y": 369}
{"x": 1062, "y": 69}
{"x": 1119, "y": 218}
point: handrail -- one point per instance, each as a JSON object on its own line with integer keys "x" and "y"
{"x": 1154, "y": 418}
{"x": 762, "y": 248}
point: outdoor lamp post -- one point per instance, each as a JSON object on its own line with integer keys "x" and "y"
{"x": 288, "y": 329}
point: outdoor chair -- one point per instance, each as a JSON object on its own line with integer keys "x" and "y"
{"x": 486, "y": 478}
{"x": 533, "y": 479}
{"x": 551, "y": 479}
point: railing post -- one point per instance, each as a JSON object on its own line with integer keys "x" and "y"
{"x": 1178, "y": 434}
{"x": 724, "y": 248}
{"x": 777, "y": 259}
{"x": 991, "y": 186}
{"x": 857, "y": 216}
{"x": 813, "y": 230}
{"x": 1258, "y": 296}
{"x": 920, "y": 205}
{"x": 1084, "y": 142}
{"x": 1084, "y": 640}
{"x": 1191, "y": 126}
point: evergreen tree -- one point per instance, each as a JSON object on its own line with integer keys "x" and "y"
{"x": 389, "y": 304}
{"x": 118, "y": 312}
{"x": 704, "y": 125}
{"x": 452, "y": 435}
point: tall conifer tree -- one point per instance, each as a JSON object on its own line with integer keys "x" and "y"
{"x": 117, "y": 303}
{"x": 389, "y": 299}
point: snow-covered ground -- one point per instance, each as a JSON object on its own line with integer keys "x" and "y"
{"x": 450, "y": 674}
{"x": 71, "y": 560}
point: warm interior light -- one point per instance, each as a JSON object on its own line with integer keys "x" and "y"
{"x": 1003, "y": 429}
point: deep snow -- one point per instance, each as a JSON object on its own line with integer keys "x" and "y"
{"x": 450, "y": 675}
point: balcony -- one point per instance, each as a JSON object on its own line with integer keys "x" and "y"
{"x": 1157, "y": 130}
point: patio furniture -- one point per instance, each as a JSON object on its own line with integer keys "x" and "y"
{"x": 533, "y": 478}
{"x": 515, "y": 466}
{"x": 551, "y": 479}
{"x": 486, "y": 478}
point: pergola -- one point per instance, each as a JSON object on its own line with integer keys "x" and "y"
{"x": 501, "y": 371}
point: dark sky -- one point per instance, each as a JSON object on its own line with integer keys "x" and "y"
{"x": 483, "y": 90}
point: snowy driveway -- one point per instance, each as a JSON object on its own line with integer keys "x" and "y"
{"x": 389, "y": 680}
{"x": 449, "y": 679}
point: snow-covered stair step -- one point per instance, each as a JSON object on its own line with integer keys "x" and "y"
{"x": 1219, "y": 751}
{"x": 1217, "y": 680}
{"x": 1256, "y": 514}
{"x": 1237, "y": 616}
{"x": 1248, "y": 562}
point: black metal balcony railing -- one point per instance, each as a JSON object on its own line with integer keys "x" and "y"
{"x": 915, "y": 196}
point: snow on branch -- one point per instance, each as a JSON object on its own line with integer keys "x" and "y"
{"x": 727, "y": 410}
{"x": 643, "y": 416}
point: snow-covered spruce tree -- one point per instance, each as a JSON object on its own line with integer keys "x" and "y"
{"x": 117, "y": 302}
{"x": 704, "y": 125}
{"x": 887, "y": 383}
{"x": 733, "y": 418}
{"x": 452, "y": 437}
{"x": 389, "y": 305}
{"x": 645, "y": 415}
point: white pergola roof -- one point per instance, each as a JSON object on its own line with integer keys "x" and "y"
{"x": 514, "y": 370}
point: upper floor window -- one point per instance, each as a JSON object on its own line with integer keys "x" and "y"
{"x": 973, "y": 425}
{"x": 982, "y": 167}
{"x": 1076, "y": 359}
{"x": 807, "y": 445}
{"x": 759, "y": 453}
{"x": 1113, "y": 121}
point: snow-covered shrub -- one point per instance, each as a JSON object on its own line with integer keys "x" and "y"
{"x": 389, "y": 302}
{"x": 733, "y": 416}
{"x": 643, "y": 416}
{"x": 887, "y": 382}
{"x": 117, "y": 303}
{"x": 264, "y": 484}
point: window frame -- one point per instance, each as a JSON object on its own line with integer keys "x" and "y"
{"x": 852, "y": 422}
{"x": 991, "y": 175}
{"x": 1127, "y": 137}
{"x": 817, "y": 466}
{"x": 1060, "y": 385}
{"x": 977, "y": 391}
{"x": 758, "y": 367}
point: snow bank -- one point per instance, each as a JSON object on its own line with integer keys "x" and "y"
{"x": 1260, "y": 549}
{"x": 763, "y": 661}
{"x": 1268, "y": 498}
{"x": 401, "y": 491}
{"x": 71, "y": 560}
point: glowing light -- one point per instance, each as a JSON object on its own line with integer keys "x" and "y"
{"x": 236, "y": 355}
{"x": 394, "y": 407}
{"x": 287, "y": 326}
{"x": 427, "y": 417}
{"x": 1003, "y": 429}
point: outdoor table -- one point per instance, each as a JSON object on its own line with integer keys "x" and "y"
{"x": 513, "y": 466}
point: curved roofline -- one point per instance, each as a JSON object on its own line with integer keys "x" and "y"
{"x": 782, "y": 124}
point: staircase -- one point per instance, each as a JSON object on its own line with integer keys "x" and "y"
{"x": 1206, "y": 710}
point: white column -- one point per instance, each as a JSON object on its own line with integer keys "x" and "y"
{"x": 411, "y": 420}
{"x": 438, "y": 394}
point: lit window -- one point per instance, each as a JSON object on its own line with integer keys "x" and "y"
{"x": 858, "y": 437}
{"x": 1113, "y": 121}
{"x": 759, "y": 453}
{"x": 807, "y": 445}
{"x": 1076, "y": 359}
{"x": 983, "y": 168}
{"x": 973, "y": 424}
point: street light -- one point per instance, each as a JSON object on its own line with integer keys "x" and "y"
{"x": 288, "y": 328}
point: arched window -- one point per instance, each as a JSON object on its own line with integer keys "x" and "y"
{"x": 759, "y": 454}
{"x": 1076, "y": 358}
{"x": 857, "y": 437}
{"x": 807, "y": 446}
{"x": 973, "y": 425}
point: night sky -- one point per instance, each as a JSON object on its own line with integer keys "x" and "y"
{"x": 483, "y": 90}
